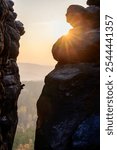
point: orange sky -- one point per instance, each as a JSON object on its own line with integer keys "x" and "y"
{"x": 44, "y": 22}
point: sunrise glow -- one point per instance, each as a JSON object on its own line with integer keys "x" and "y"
{"x": 60, "y": 28}
{"x": 44, "y": 23}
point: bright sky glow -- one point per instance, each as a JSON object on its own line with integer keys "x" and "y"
{"x": 44, "y": 22}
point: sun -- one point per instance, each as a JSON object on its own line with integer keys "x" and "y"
{"x": 60, "y": 28}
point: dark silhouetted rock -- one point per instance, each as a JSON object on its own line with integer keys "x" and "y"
{"x": 93, "y": 2}
{"x": 82, "y": 44}
{"x": 69, "y": 107}
{"x": 95, "y": 16}
{"x": 78, "y": 47}
{"x": 87, "y": 135}
{"x": 19, "y": 26}
{"x": 3, "y": 13}
{"x": 10, "y": 85}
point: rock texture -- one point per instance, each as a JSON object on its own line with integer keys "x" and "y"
{"x": 82, "y": 44}
{"x": 93, "y": 2}
{"x": 69, "y": 107}
{"x": 10, "y": 85}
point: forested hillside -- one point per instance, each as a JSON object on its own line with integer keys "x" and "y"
{"x": 24, "y": 138}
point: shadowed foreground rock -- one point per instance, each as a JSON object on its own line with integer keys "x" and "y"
{"x": 68, "y": 108}
{"x": 10, "y": 85}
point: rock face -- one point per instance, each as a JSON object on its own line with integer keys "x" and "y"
{"x": 93, "y": 2}
{"x": 69, "y": 107}
{"x": 10, "y": 85}
{"x": 82, "y": 44}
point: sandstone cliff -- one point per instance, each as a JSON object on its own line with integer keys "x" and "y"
{"x": 69, "y": 106}
{"x": 68, "y": 109}
{"x": 10, "y": 85}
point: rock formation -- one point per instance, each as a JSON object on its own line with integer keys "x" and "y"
{"x": 10, "y": 85}
{"x": 81, "y": 45}
{"x": 69, "y": 106}
{"x": 93, "y": 2}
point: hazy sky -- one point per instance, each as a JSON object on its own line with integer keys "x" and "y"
{"x": 44, "y": 22}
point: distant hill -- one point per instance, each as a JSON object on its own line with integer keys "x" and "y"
{"x": 32, "y": 76}
{"x": 33, "y": 72}
{"x": 27, "y": 113}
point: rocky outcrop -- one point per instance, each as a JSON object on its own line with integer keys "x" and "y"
{"x": 93, "y": 2}
{"x": 82, "y": 44}
{"x": 69, "y": 107}
{"x": 10, "y": 85}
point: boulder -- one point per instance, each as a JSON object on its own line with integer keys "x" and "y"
{"x": 67, "y": 107}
